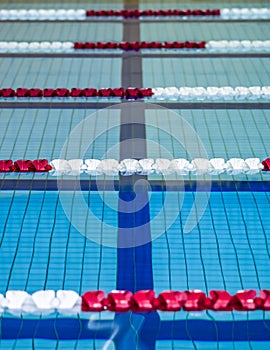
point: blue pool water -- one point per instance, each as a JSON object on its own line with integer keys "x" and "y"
{"x": 49, "y": 240}
{"x": 229, "y": 249}
{"x": 42, "y": 133}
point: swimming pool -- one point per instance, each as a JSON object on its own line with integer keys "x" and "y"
{"x": 157, "y": 232}
{"x": 229, "y": 249}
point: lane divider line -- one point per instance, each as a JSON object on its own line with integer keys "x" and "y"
{"x": 143, "y": 167}
{"x": 198, "y": 93}
{"x": 196, "y": 46}
{"x": 17, "y": 301}
{"x": 82, "y": 14}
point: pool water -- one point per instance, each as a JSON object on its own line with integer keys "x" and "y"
{"x": 228, "y": 249}
{"x": 212, "y": 233}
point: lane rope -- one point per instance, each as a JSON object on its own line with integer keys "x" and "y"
{"x": 17, "y": 301}
{"x": 82, "y": 14}
{"x": 198, "y": 93}
{"x": 129, "y": 167}
{"x": 196, "y": 46}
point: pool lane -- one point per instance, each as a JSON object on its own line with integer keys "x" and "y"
{"x": 39, "y": 133}
{"x": 223, "y": 133}
{"x": 167, "y": 330}
{"x": 66, "y": 31}
{"x": 55, "y": 72}
{"x": 186, "y": 4}
{"x": 205, "y": 72}
{"x": 41, "y": 248}
{"x": 228, "y": 249}
{"x": 204, "y": 332}
{"x": 187, "y": 31}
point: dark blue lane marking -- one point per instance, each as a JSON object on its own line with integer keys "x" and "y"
{"x": 134, "y": 270}
{"x": 125, "y": 256}
{"x": 160, "y": 54}
{"x": 135, "y": 261}
{"x": 199, "y": 330}
{"x": 114, "y": 185}
{"x": 204, "y": 330}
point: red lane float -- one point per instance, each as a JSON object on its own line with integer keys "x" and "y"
{"x": 40, "y": 165}
{"x": 119, "y": 301}
{"x": 138, "y": 93}
{"x": 48, "y": 93}
{"x": 105, "y": 92}
{"x": 171, "y": 300}
{"x": 244, "y": 300}
{"x": 137, "y": 45}
{"x": 152, "y": 13}
{"x": 24, "y": 166}
{"x": 93, "y": 301}
{"x": 90, "y": 92}
{"x": 77, "y": 92}
{"x": 221, "y": 300}
{"x": 266, "y": 164}
{"x": 5, "y": 165}
{"x": 7, "y": 93}
{"x": 143, "y": 300}
{"x": 194, "y": 300}
{"x": 264, "y": 300}
{"x": 23, "y": 92}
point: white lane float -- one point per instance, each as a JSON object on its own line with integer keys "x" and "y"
{"x": 146, "y": 166}
{"x": 128, "y": 167}
{"x": 109, "y": 167}
{"x": 160, "y": 166}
